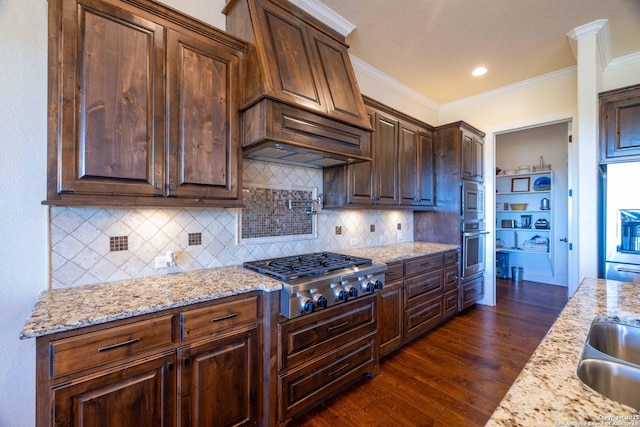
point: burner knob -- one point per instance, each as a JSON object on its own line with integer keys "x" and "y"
{"x": 307, "y": 305}
{"x": 352, "y": 291}
{"x": 343, "y": 295}
{"x": 369, "y": 287}
{"x": 379, "y": 284}
{"x": 321, "y": 301}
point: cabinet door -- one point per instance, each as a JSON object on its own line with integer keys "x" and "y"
{"x": 620, "y": 125}
{"x": 472, "y": 157}
{"x": 391, "y": 315}
{"x": 386, "y": 166}
{"x": 426, "y": 169}
{"x": 408, "y": 164}
{"x": 203, "y": 146}
{"x": 140, "y": 395}
{"x": 110, "y": 135}
{"x": 478, "y": 163}
{"x": 219, "y": 384}
{"x": 360, "y": 176}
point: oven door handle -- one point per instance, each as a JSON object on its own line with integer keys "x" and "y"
{"x": 475, "y": 234}
{"x": 628, "y": 270}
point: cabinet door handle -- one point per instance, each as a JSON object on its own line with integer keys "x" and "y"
{"x": 341, "y": 368}
{"x": 115, "y": 346}
{"x": 333, "y": 328}
{"x": 220, "y": 319}
{"x": 186, "y": 361}
{"x": 170, "y": 367}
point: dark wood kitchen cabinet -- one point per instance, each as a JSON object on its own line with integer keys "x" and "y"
{"x": 143, "y": 106}
{"x": 471, "y": 164}
{"x": 193, "y": 366}
{"x": 620, "y": 125}
{"x": 391, "y": 309}
{"x": 401, "y": 173}
{"x": 320, "y": 354}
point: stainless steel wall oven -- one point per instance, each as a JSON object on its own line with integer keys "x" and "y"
{"x": 474, "y": 242}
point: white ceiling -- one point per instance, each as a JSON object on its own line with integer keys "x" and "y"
{"x": 432, "y": 46}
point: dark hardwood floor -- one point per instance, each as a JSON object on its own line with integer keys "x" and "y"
{"x": 456, "y": 374}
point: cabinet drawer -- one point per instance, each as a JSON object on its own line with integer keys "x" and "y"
{"x": 394, "y": 272}
{"x": 424, "y": 286}
{"x": 451, "y": 257}
{"x": 450, "y": 303}
{"x": 313, "y": 335}
{"x": 450, "y": 277}
{"x": 423, "y": 316}
{"x": 203, "y": 321}
{"x": 423, "y": 264}
{"x": 305, "y": 387}
{"x": 92, "y": 349}
{"x": 472, "y": 292}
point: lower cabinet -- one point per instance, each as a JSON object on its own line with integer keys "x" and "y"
{"x": 320, "y": 353}
{"x": 472, "y": 291}
{"x": 419, "y": 293}
{"x": 164, "y": 369}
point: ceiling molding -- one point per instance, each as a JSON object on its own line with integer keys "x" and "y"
{"x": 632, "y": 58}
{"x": 524, "y": 83}
{"x": 325, "y": 15}
{"x": 600, "y": 29}
{"x": 379, "y": 76}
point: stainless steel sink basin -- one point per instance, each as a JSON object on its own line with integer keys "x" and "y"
{"x": 610, "y": 361}
{"x": 616, "y": 340}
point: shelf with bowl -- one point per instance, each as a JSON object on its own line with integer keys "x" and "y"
{"x": 524, "y": 197}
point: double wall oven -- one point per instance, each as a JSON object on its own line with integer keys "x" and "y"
{"x": 473, "y": 228}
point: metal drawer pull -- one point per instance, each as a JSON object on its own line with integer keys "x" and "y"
{"x": 341, "y": 368}
{"x": 219, "y": 319}
{"x": 114, "y": 346}
{"x": 628, "y": 270}
{"x": 333, "y": 328}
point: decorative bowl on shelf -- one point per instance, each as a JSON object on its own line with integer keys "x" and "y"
{"x": 510, "y": 171}
{"x": 542, "y": 184}
{"x": 518, "y": 206}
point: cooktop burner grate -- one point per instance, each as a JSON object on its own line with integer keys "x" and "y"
{"x": 315, "y": 264}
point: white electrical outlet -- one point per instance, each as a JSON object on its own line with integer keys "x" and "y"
{"x": 161, "y": 262}
{"x": 354, "y": 241}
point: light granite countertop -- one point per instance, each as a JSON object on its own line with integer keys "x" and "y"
{"x": 548, "y": 392}
{"x": 72, "y": 308}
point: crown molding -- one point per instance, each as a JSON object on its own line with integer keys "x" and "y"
{"x": 325, "y": 15}
{"x": 599, "y": 28}
{"x": 391, "y": 83}
{"x": 521, "y": 84}
{"x": 632, "y": 58}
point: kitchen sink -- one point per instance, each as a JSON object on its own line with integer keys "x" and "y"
{"x": 610, "y": 361}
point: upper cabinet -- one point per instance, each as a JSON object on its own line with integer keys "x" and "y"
{"x": 471, "y": 166}
{"x": 143, "y": 106}
{"x": 620, "y": 125}
{"x": 401, "y": 173}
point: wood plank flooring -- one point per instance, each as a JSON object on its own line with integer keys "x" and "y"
{"x": 455, "y": 375}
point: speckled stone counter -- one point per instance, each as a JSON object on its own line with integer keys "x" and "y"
{"x": 401, "y": 251}
{"x": 548, "y": 392}
{"x": 71, "y": 308}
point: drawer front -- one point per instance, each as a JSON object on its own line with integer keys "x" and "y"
{"x": 69, "y": 355}
{"x": 206, "y": 320}
{"x": 472, "y": 292}
{"x": 451, "y": 257}
{"x": 422, "y": 317}
{"x": 424, "y": 286}
{"x": 450, "y": 277}
{"x": 313, "y": 335}
{"x": 450, "y": 303}
{"x": 394, "y": 272}
{"x": 423, "y": 264}
{"x": 302, "y": 388}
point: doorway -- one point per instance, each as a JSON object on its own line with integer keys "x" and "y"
{"x": 533, "y": 238}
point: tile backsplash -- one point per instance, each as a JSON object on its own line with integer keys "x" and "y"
{"x": 82, "y": 238}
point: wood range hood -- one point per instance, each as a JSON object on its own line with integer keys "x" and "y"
{"x": 301, "y": 103}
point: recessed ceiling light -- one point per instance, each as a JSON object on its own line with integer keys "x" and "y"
{"x": 479, "y": 71}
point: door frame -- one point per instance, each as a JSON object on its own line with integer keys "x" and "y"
{"x": 490, "y": 185}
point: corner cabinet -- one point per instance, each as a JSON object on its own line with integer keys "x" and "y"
{"x": 143, "y": 106}
{"x": 529, "y": 230}
{"x": 401, "y": 173}
{"x": 620, "y": 125}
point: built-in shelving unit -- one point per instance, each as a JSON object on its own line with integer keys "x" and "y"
{"x": 517, "y": 237}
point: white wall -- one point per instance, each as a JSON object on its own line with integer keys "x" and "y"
{"x": 23, "y": 224}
